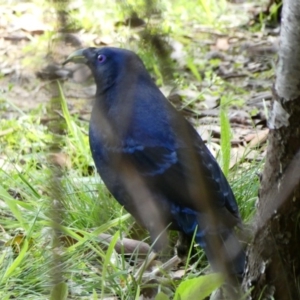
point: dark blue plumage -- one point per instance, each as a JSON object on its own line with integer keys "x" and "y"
{"x": 154, "y": 162}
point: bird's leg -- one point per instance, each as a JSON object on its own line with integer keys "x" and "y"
{"x": 160, "y": 243}
{"x": 183, "y": 245}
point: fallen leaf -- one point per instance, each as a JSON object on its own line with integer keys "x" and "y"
{"x": 237, "y": 153}
{"x": 31, "y": 24}
{"x": 17, "y": 242}
{"x": 256, "y": 139}
{"x": 61, "y": 159}
{"x": 179, "y": 274}
{"x": 222, "y": 44}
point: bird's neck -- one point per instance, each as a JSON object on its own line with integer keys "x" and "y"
{"x": 105, "y": 98}
{"x": 112, "y": 95}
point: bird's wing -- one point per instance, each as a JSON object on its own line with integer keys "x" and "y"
{"x": 171, "y": 169}
{"x": 153, "y": 160}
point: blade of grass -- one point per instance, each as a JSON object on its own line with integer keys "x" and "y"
{"x": 107, "y": 261}
{"x": 16, "y": 262}
{"x": 13, "y": 206}
{"x": 225, "y": 137}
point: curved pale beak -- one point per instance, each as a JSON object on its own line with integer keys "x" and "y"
{"x": 76, "y": 57}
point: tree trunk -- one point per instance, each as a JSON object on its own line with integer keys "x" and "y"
{"x": 273, "y": 268}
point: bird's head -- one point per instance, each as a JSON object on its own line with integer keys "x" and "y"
{"x": 108, "y": 64}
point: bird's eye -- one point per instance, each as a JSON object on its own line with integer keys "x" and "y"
{"x": 101, "y": 58}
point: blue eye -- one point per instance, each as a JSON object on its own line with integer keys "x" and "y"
{"x": 101, "y": 58}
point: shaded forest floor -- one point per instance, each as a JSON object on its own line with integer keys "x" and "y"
{"x": 234, "y": 62}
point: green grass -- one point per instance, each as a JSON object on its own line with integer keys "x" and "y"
{"x": 86, "y": 211}
{"x": 25, "y": 194}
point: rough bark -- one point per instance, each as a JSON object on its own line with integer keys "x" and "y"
{"x": 273, "y": 268}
